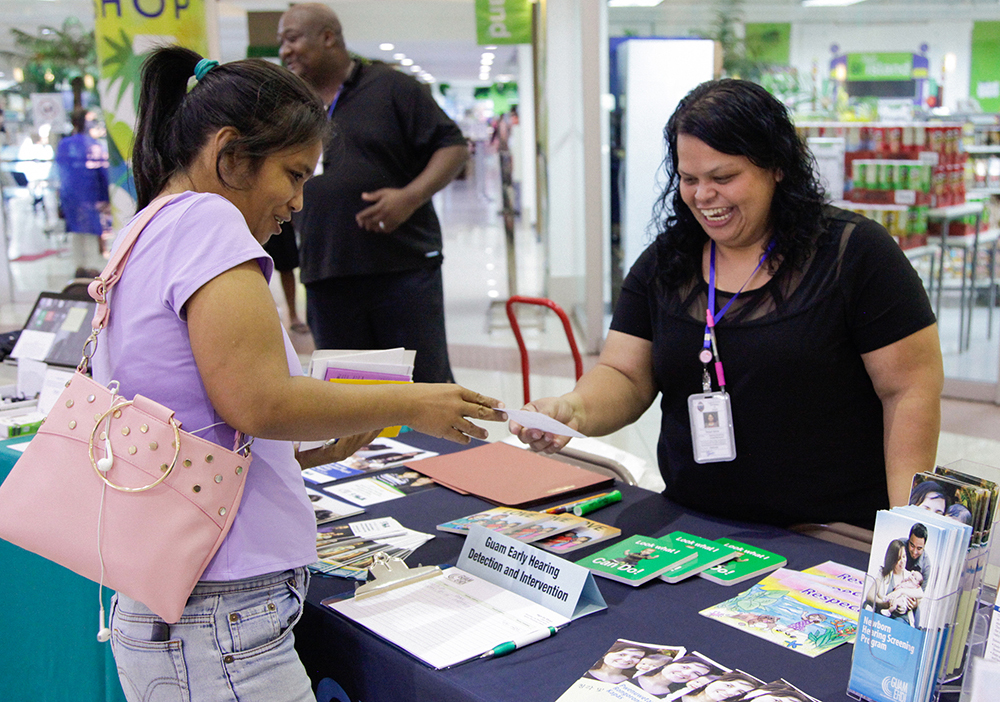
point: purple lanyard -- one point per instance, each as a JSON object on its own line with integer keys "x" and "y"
{"x": 329, "y": 111}
{"x": 711, "y": 318}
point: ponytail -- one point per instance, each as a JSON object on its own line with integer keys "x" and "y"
{"x": 155, "y": 156}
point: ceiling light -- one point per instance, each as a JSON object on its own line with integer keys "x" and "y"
{"x": 487, "y": 62}
{"x": 488, "y": 55}
{"x": 490, "y": 48}
{"x": 399, "y": 57}
{"x": 829, "y": 3}
{"x": 505, "y": 78}
{"x": 407, "y": 62}
{"x": 415, "y": 69}
{"x": 386, "y": 47}
{"x": 633, "y": 3}
{"x": 429, "y": 78}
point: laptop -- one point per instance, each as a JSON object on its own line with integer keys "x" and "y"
{"x": 56, "y": 330}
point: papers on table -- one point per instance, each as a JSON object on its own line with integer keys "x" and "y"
{"x": 330, "y": 509}
{"x": 347, "y": 550}
{"x": 448, "y": 619}
{"x": 380, "y": 454}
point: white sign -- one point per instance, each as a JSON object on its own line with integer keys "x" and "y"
{"x": 543, "y": 578}
{"x": 47, "y": 108}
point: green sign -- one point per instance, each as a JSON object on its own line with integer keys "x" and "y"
{"x": 503, "y": 22}
{"x": 883, "y": 66}
{"x": 768, "y": 42}
{"x": 984, "y": 72}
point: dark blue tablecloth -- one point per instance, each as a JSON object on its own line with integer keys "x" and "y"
{"x": 374, "y": 671}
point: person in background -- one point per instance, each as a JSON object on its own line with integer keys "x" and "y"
{"x": 194, "y": 327}
{"x": 284, "y": 251}
{"x": 832, "y": 365}
{"x": 371, "y": 245}
{"x": 82, "y": 165}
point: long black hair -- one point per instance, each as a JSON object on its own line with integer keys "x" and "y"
{"x": 738, "y": 118}
{"x": 270, "y": 108}
{"x": 892, "y": 556}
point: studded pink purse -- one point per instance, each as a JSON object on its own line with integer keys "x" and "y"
{"x": 114, "y": 490}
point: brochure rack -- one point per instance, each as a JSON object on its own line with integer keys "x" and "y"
{"x": 966, "y": 617}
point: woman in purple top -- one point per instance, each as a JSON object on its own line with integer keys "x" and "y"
{"x": 194, "y": 326}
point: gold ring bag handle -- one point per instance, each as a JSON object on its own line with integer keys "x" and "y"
{"x": 116, "y": 410}
{"x": 173, "y": 494}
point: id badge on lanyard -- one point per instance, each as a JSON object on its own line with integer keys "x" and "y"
{"x": 711, "y": 427}
{"x": 711, "y": 413}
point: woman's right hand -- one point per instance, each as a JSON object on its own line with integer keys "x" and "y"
{"x": 443, "y": 410}
{"x": 560, "y": 409}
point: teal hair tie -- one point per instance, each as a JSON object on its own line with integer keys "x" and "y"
{"x": 203, "y": 67}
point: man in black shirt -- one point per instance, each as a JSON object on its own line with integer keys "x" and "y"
{"x": 371, "y": 241}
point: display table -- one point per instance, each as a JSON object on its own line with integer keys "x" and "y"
{"x": 658, "y": 613}
{"x": 50, "y": 626}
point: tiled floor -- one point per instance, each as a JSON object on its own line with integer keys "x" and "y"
{"x": 482, "y": 345}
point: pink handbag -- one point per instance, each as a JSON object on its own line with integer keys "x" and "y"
{"x": 114, "y": 490}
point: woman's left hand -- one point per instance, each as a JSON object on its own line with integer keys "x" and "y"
{"x": 345, "y": 446}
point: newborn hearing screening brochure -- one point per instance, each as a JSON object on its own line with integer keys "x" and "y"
{"x": 449, "y": 618}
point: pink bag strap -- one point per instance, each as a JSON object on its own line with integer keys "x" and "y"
{"x": 102, "y": 284}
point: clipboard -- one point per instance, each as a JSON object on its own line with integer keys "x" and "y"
{"x": 441, "y": 617}
{"x": 390, "y": 572}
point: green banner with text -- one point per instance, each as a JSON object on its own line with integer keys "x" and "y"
{"x": 124, "y": 32}
{"x": 984, "y": 72}
{"x": 503, "y": 22}
{"x": 880, "y": 66}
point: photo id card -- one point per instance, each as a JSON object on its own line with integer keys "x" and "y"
{"x": 711, "y": 427}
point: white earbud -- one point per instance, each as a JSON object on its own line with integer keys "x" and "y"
{"x": 103, "y": 633}
{"x": 107, "y": 463}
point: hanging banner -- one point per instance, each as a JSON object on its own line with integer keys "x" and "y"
{"x": 125, "y": 30}
{"x": 984, "y": 70}
{"x": 503, "y": 22}
{"x": 880, "y": 66}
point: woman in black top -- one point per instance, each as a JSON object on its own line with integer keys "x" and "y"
{"x": 833, "y": 372}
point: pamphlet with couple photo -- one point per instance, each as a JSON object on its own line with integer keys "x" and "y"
{"x": 910, "y": 600}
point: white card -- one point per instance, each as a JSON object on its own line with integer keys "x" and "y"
{"x": 537, "y": 420}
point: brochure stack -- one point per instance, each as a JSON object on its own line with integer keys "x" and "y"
{"x": 923, "y": 588}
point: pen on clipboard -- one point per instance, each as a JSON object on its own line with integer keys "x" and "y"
{"x": 511, "y": 646}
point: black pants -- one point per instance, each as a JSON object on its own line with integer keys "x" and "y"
{"x": 383, "y": 312}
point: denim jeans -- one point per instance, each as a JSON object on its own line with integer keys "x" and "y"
{"x": 233, "y": 643}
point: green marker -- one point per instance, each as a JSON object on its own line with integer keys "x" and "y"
{"x": 597, "y": 503}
